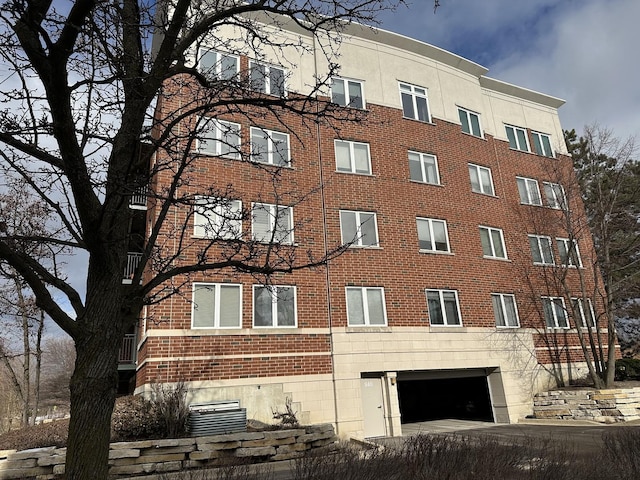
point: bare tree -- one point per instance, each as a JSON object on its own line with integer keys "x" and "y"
{"x": 79, "y": 87}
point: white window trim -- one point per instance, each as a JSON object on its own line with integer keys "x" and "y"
{"x": 478, "y": 169}
{"x": 555, "y": 325}
{"x": 502, "y": 296}
{"x": 274, "y": 307}
{"x": 352, "y": 163}
{"x": 518, "y": 146}
{"x": 538, "y": 238}
{"x": 272, "y": 209}
{"x": 218, "y": 66}
{"x": 529, "y": 201}
{"x": 345, "y": 83}
{"x": 219, "y": 128}
{"x": 442, "y": 309}
{"x": 415, "y": 95}
{"x": 365, "y": 304}
{"x": 216, "y": 319}
{"x": 468, "y": 114}
{"x": 221, "y": 208}
{"x": 555, "y": 202}
{"x": 446, "y": 234}
{"x": 267, "y": 77}
{"x": 271, "y": 147}
{"x": 583, "y": 324}
{"x": 423, "y": 167}
{"x": 492, "y": 245}
{"x": 540, "y": 135}
{"x": 565, "y": 242}
{"x": 358, "y": 241}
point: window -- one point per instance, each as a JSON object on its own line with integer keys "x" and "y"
{"x": 217, "y": 218}
{"x": 352, "y": 157}
{"x": 555, "y": 313}
{"x": 216, "y": 305}
{"x": 470, "y": 122}
{"x": 505, "y": 310}
{"x": 423, "y": 168}
{"x": 492, "y": 242}
{"x": 347, "y": 93}
{"x": 414, "y": 102}
{"x": 517, "y": 138}
{"x": 432, "y": 235}
{"x": 365, "y": 306}
{"x": 272, "y": 223}
{"x": 529, "y": 191}
{"x": 585, "y": 317}
{"x": 443, "y": 307}
{"x": 270, "y": 147}
{"x": 481, "y": 181}
{"x": 569, "y": 252}
{"x": 267, "y": 79}
{"x": 542, "y": 144}
{"x": 274, "y": 306}
{"x": 554, "y": 194}
{"x": 359, "y": 228}
{"x": 220, "y": 138}
{"x": 218, "y": 66}
{"x": 541, "y": 249}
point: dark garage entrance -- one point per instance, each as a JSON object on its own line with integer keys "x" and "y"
{"x": 456, "y": 396}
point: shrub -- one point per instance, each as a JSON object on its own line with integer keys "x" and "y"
{"x": 134, "y": 418}
{"x": 171, "y": 409}
{"x": 628, "y": 369}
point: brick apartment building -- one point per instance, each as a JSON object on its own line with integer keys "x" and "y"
{"x": 451, "y": 192}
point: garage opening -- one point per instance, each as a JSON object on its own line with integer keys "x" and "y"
{"x": 457, "y": 397}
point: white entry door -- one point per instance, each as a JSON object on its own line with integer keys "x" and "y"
{"x": 372, "y": 407}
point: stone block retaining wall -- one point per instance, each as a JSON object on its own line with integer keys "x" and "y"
{"x": 158, "y": 456}
{"x": 605, "y": 406}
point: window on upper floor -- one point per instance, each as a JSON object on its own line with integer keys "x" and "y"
{"x": 529, "y": 191}
{"x": 481, "y": 181}
{"x": 274, "y": 306}
{"x": 542, "y": 144}
{"x": 423, "y": 168}
{"x": 217, "y": 65}
{"x": 217, "y": 218}
{"x": 267, "y": 79}
{"x": 569, "y": 252}
{"x": 443, "y": 307}
{"x": 492, "y": 241}
{"x": 541, "y": 249}
{"x": 360, "y": 229}
{"x": 432, "y": 235}
{"x": 555, "y": 196}
{"x": 216, "y": 305}
{"x": 414, "y": 102}
{"x": 270, "y": 147}
{"x": 366, "y": 306}
{"x": 555, "y": 313}
{"x": 470, "y": 122}
{"x": 585, "y": 316}
{"x": 517, "y": 138}
{"x": 505, "y": 310}
{"x": 347, "y": 93}
{"x": 272, "y": 223}
{"x": 352, "y": 157}
{"x": 219, "y": 138}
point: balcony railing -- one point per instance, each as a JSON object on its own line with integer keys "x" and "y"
{"x": 133, "y": 260}
{"x": 138, "y": 200}
{"x": 128, "y": 349}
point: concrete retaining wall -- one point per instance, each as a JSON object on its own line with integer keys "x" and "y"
{"x": 158, "y": 456}
{"x": 605, "y": 406}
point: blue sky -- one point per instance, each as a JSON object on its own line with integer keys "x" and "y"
{"x": 583, "y": 51}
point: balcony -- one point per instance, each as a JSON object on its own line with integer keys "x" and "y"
{"x": 138, "y": 200}
{"x": 127, "y": 354}
{"x": 133, "y": 260}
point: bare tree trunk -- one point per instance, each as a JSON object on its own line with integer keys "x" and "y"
{"x": 26, "y": 362}
{"x": 36, "y": 393}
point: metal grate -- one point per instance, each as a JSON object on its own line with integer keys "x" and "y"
{"x": 216, "y": 418}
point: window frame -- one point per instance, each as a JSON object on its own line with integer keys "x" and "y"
{"x": 220, "y": 139}
{"x": 274, "y": 306}
{"x": 515, "y": 140}
{"x": 266, "y": 86}
{"x": 217, "y": 66}
{"x": 273, "y": 219}
{"x": 490, "y": 231}
{"x": 414, "y": 95}
{"x": 538, "y": 238}
{"x": 271, "y": 150}
{"x": 366, "y": 314}
{"x": 555, "y": 195}
{"x": 503, "y": 310}
{"x": 358, "y": 229}
{"x": 566, "y": 250}
{"x": 526, "y": 182}
{"x": 580, "y": 305}
{"x": 222, "y": 212}
{"x": 430, "y": 222}
{"x": 422, "y": 159}
{"x": 468, "y": 122}
{"x": 538, "y": 143}
{"x": 478, "y": 169}
{"x": 217, "y": 310}
{"x": 352, "y": 162}
{"x": 348, "y": 102}
{"x": 443, "y": 310}
{"x": 553, "y": 302}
